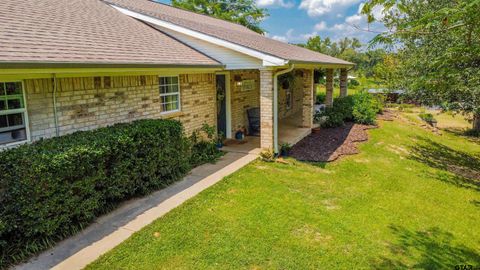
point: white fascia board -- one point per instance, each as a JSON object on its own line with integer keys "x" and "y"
{"x": 268, "y": 60}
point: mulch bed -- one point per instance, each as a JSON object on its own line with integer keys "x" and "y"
{"x": 331, "y": 143}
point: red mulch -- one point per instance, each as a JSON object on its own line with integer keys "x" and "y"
{"x": 331, "y": 143}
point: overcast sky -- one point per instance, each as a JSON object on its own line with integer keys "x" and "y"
{"x": 295, "y": 21}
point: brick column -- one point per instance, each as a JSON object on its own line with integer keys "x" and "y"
{"x": 266, "y": 109}
{"x": 343, "y": 82}
{"x": 329, "y": 86}
{"x": 308, "y": 99}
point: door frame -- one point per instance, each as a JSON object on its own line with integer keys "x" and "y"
{"x": 228, "y": 103}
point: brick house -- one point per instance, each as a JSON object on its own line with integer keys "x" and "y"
{"x": 70, "y": 65}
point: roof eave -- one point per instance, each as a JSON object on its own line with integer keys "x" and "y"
{"x": 44, "y": 64}
{"x": 320, "y": 64}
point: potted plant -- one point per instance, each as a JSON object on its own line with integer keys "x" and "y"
{"x": 285, "y": 149}
{"x": 220, "y": 138}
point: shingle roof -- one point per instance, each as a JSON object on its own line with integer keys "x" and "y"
{"x": 226, "y": 31}
{"x": 85, "y": 31}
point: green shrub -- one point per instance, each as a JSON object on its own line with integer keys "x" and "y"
{"x": 353, "y": 82}
{"x": 360, "y": 108}
{"x": 336, "y": 115}
{"x": 427, "y": 117}
{"x": 204, "y": 145}
{"x": 53, "y": 188}
{"x": 321, "y": 97}
{"x": 365, "y": 108}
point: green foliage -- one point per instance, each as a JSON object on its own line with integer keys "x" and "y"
{"x": 427, "y": 117}
{"x": 360, "y": 108}
{"x": 285, "y": 148}
{"x": 438, "y": 48}
{"x": 204, "y": 145}
{"x": 337, "y": 114}
{"x": 321, "y": 97}
{"x": 368, "y": 63}
{"x": 55, "y": 187}
{"x": 365, "y": 108}
{"x": 244, "y": 12}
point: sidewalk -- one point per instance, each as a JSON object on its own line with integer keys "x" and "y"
{"x": 112, "y": 229}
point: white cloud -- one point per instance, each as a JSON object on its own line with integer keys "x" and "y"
{"x": 321, "y": 26}
{"x": 292, "y": 37}
{"x": 316, "y": 8}
{"x": 280, "y": 38}
{"x": 279, "y": 3}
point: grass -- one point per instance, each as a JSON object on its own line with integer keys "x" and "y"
{"x": 410, "y": 199}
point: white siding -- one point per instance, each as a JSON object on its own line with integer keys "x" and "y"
{"x": 228, "y": 57}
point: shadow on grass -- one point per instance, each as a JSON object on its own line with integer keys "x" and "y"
{"x": 463, "y": 133}
{"x": 464, "y": 167}
{"x": 429, "y": 249}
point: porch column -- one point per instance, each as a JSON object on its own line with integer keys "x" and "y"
{"x": 329, "y": 86}
{"x": 266, "y": 109}
{"x": 308, "y": 99}
{"x": 343, "y": 82}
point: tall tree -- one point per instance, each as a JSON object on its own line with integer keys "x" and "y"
{"x": 438, "y": 44}
{"x": 244, "y": 12}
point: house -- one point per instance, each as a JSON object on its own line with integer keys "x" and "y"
{"x": 70, "y": 65}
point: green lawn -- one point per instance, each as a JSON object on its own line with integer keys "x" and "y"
{"x": 395, "y": 205}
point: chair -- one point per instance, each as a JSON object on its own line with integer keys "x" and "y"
{"x": 254, "y": 121}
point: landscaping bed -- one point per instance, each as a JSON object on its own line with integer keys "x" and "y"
{"x": 331, "y": 143}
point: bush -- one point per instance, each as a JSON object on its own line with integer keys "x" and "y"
{"x": 360, "y": 108}
{"x": 321, "y": 97}
{"x": 427, "y": 117}
{"x": 53, "y": 188}
{"x": 336, "y": 115}
{"x": 365, "y": 108}
{"x": 204, "y": 145}
{"x": 354, "y": 83}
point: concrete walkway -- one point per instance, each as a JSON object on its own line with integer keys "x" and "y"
{"x": 110, "y": 230}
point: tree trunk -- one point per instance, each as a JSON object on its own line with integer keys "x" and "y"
{"x": 476, "y": 122}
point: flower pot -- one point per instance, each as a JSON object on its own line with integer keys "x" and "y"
{"x": 316, "y": 130}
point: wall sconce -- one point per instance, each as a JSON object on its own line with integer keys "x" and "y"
{"x": 238, "y": 80}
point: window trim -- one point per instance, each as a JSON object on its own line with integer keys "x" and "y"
{"x": 25, "y": 113}
{"x": 179, "y": 93}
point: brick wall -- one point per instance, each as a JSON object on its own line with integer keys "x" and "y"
{"x": 85, "y": 104}
{"x": 297, "y": 93}
{"x": 243, "y": 100}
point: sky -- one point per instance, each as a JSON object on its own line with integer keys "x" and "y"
{"x": 294, "y": 21}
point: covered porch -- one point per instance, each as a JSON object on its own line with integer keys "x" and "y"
{"x": 270, "y": 106}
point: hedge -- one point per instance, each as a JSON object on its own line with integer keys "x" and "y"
{"x": 53, "y": 188}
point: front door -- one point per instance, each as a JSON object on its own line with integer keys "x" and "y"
{"x": 222, "y": 104}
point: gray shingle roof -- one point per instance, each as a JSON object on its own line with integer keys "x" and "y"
{"x": 85, "y": 31}
{"x": 226, "y": 31}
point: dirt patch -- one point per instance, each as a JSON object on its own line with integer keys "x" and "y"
{"x": 331, "y": 143}
{"x": 387, "y": 115}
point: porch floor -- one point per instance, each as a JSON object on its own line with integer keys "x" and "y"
{"x": 289, "y": 131}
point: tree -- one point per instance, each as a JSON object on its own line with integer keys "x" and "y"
{"x": 244, "y": 12}
{"x": 438, "y": 45}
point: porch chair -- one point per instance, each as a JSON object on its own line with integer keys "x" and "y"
{"x": 254, "y": 121}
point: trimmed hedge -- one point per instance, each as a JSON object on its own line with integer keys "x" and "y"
{"x": 53, "y": 188}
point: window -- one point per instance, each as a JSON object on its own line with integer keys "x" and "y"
{"x": 13, "y": 118}
{"x": 169, "y": 94}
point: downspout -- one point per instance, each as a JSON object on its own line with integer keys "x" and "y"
{"x": 55, "y": 115}
{"x": 275, "y": 106}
